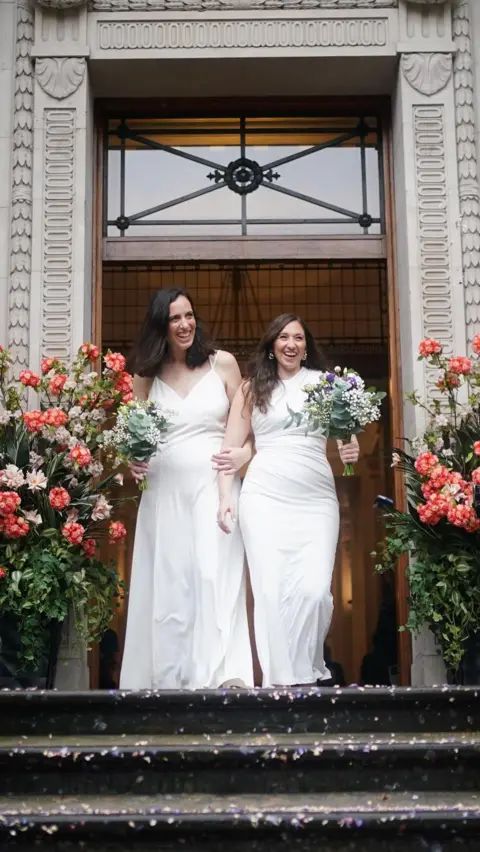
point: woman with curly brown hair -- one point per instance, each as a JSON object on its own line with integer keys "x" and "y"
{"x": 288, "y": 507}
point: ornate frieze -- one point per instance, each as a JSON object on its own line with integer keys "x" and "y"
{"x": 230, "y": 5}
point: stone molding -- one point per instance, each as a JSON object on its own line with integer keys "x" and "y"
{"x": 231, "y": 5}
{"x": 22, "y": 179}
{"x": 174, "y": 35}
{"x": 60, "y": 77}
{"x": 57, "y": 243}
{"x": 468, "y": 181}
{"x": 428, "y": 2}
{"x": 427, "y": 73}
{"x": 433, "y": 227}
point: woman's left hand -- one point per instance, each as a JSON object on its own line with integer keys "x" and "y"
{"x": 349, "y": 453}
{"x": 231, "y": 459}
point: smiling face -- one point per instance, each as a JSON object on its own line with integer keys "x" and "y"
{"x": 181, "y": 326}
{"x": 289, "y": 349}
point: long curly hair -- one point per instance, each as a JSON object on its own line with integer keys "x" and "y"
{"x": 151, "y": 347}
{"x": 262, "y": 370}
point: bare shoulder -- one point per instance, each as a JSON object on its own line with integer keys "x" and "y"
{"x": 225, "y": 360}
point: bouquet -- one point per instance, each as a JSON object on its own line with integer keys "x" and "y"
{"x": 338, "y": 406}
{"x": 139, "y": 429}
{"x": 54, "y": 502}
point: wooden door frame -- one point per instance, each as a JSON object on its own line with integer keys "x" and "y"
{"x": 260, "y": 248}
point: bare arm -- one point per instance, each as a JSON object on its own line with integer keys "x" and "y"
{"x": 233, "y": 456}
{"x": 237, "y": 431}
{"x": 141, "y": 387}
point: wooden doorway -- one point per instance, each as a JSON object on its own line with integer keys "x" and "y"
{"x": 237, "y": 289}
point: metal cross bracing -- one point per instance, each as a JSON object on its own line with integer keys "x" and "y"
{"x": 243, "y": 175}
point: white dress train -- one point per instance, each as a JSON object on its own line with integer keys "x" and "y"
{"x": 289, "y": 519}
{"x": 187, "y": 623}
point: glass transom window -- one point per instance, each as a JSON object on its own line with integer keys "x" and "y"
{"x": 245, "y": 176}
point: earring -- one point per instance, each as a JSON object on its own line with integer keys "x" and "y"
{"x": 271, "y": 356}
{"x": 305, "y": 356}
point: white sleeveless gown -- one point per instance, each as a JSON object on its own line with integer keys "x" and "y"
{"x": 289, "y": 519}
{"x": 187, "y": 623}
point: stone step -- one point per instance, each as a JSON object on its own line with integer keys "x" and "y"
{"x": 181, "y": 766}
{"x": 341, "y": 821}
{"x": 294, "y": 711}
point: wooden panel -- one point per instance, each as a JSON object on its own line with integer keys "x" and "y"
{"x": 147, "y": 249}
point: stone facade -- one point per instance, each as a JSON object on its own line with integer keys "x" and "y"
{"x": 48, "y": 51}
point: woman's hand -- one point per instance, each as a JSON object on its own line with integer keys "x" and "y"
{"x": 227, "y": 514}
{"x": 138, "y": 469}
{"x": 230, "y": 460}
{"x": 349, "y": 453}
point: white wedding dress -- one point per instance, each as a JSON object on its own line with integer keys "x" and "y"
{"x": 289, "y": 519}
{"x": 187, "y": 621}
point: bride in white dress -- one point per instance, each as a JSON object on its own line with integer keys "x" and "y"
{"x": 288, "y": 507}
{"x": 187, "y": 622}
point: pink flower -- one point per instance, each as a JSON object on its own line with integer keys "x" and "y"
{"x": 9, "y": 502}
{"x": 476, "y": 344}
{"x": 460, "y": 366}
{"x": 34, "y": 420}
{"x": 429, "y": 347}
{"x": 55, "y": 417}
{"x": 425, "y": 463}
{"x": 29, "y": 379}
{"x": 476, "y": 448}
{"x": 116, "y": 532}
{"x": 57, "y": 383}
{"x": 80, "y": 455}
{"x": 59, "y": 499}
{"x": 89, "y": 545}
{"x": 73, "y": 532}
{"x": 102, "y": 509}
{"x": 115, "y": 361}
{"x": 90, "y": 351}
{"x": 15, "y": 527}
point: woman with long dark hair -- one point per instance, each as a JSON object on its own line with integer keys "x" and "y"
{"x": 288, "y": 507}
{"x": 187, "y": 623}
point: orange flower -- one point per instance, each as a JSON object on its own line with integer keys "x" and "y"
{"x": 463, "y": 516}
{"x": 34, "y": 420}
{"x": 73, "y": 532}
{"x": 55, "y": 417}
{"x": 115, "y": 361}
{"x": 429, "y": 347}
{"x": 90, "y": 351}
{"x": 57, "y": 383}
{"x": 80, "y": 455}
{"x": 29, "y": 379}
{"x": 59, "y": 498}
{"x": 426, "y": 463}
{"x": 116, "y": 532}
{"x": 9, "y": 502}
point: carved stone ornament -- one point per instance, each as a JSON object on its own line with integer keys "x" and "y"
{"x": 427, "y": 2}
{"x": 61, "y": 4}
{"x": 229, "y": 5}
{"x": 60, "y": 78}
{"x": 427, "y": 73}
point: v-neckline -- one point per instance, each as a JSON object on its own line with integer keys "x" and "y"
{"x": 184, "y": 398}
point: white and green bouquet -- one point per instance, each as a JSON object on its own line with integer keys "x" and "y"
{"x": 339, "y": 406}
{"x": 139, "y": 430}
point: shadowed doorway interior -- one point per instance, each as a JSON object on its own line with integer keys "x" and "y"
{"x": 345, "y": 306}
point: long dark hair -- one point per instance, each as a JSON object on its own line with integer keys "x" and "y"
{"x": 262, "y": 370}
{"x": 151, "y": 348}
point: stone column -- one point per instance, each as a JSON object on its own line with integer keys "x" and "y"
{"x": 62, "y": 203}
{"x": 429, "y": 239}
{"x": 16, "y": 161}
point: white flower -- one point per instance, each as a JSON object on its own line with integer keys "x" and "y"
{"x": 36, "y": 480}
{"x": 95, "y": 469}
{"x": 118, "y": 478}
{"x": 438, "y": 445}
{"x": 62, "y": 435}
{"x": 90, "y": 379}
{"x": 395, "y": 460}
{"x": 72, "y": 516}
{"x": 12, "y": 477}
{"x": 75, "y": 412}
{"x": 73, "y": 481}
{"x": 78, "y": 428}
{"x": 99, "y": 415}
{"x": 5, "y": 416}
{"x": 35, "y": 460}
{"x": 33, "y": 517}
{"x": 447, "y": 454}
{"x": 102, "y": 509}
{"x": 441, "y": 420}
{"x": 70, "y": 385}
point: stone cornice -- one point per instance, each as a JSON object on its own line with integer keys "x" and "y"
{"x": 208, "y": 5}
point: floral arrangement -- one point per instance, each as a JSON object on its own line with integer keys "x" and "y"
{"x": 140, "y": 428}
{"x": 441, "y": 527}
{"x": 339, "y": 406}
{"x": 54, "y": 503}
